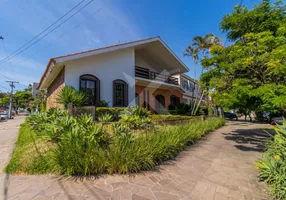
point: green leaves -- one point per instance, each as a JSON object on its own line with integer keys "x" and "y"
{"x": 273, "y": 166}
{"x": 70, "y": 95}
{"x": 257, "y": 58}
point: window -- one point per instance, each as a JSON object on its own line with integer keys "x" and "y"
{"x": 175, "y": 100}
{"x": 90, "y": 85}
{"x": 120, "y": 93}
{"x": 137, "y": 99}
{"x": 160, "y": 102}
{"x": 185, "y": 85}
{"x": 192, "y": 87}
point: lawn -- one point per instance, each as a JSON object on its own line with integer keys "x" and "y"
{"x": 57, "y": 143}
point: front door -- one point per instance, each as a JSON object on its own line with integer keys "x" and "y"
{"x": 160, "y": 103}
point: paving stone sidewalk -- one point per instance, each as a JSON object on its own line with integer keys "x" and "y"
{"x": 219, "y": 167}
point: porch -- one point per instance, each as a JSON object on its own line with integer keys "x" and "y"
{"x": 157, "y": 100}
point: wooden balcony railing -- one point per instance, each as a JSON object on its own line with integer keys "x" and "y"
{"x": 147, "y": 74}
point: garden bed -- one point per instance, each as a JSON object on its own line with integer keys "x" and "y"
{"x": 57, "y": 143}
{"x": 272, "y": 168}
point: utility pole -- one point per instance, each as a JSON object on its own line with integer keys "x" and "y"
{"x": 11, "y": 96}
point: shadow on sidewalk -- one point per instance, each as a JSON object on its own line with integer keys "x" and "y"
{"x": 249, "y": 139}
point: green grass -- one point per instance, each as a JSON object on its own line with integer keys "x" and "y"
{"x": 74, "y": 154}
{"x": 32, "y": 154}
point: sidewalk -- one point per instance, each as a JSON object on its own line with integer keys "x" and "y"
{"x": 219, "y": 167}
{"x": 8, "y": 137}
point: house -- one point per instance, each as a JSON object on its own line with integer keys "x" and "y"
{"x": 141, "y": 72}
{"x": 191, "y": 88}
{"x": 34, "y": 89}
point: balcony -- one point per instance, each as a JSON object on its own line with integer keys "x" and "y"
{"x": 147, "y": 74}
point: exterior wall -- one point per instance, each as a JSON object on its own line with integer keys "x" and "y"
{"x": 192, "y": 90}
{"x": 153, "y": 93}
{"x": 35, "y": 91}
{"x": 106, "y": 67}
{"x": 54, "y": 89}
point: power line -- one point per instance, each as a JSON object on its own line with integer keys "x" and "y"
{"x": 48, "y": 32}
{"x": 4, "y": 88}
{"x": 5, "y": 49}
{"x": 5, "y": 76}
{"x": 68, "y": 31}
{"x": 6, "y": 58}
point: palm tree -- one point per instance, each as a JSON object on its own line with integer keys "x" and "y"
{"x": 201, "y": 44}
{"x": 192, "y": 52}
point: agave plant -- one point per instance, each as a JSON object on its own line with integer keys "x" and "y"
{"x": 106, "y": 117}
{"x": 69, "y": 95}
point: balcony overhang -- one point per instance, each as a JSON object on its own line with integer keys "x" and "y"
{"x": 157, "y": 84}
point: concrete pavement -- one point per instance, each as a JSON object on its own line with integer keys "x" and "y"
{"x": 221, "y": 166}
{"x": 8, "y": 137}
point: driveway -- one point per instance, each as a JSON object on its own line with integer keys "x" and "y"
{"x": 221, "y": 166}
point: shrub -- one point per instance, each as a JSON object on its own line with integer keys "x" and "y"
{"x": 115, "y": 112}
{"x": 180, "y": 109}
{"x": 102, "y": 103}
{"x": 79, "y": 152}
{"x": 135, "y": 117}
{"x": 82, "y": 110}
{"x": 82, "y": 148}
{"x": 273, "y": 167}
{"x": 105, "y": 118}
{"x": 151, "y": 149}
{"x": 69, "y": 95}
{"x": 135, "y": 121}
{"x": 136, "y": 111}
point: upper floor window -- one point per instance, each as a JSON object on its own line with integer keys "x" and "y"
{"x": 90, "y": 85}
{"x": 185, "y": 84}
{"x": 120, "y": 93}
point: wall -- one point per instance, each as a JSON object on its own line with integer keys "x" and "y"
{"x": 35, "y": 91}
{"x": 153, "y": 93}
{"x": 54, "y": 90}
{"x": 140, "y": 62}
{"x": 106, "y": 67}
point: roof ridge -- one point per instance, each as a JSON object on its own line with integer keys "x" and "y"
{"x": 106, "y": 47}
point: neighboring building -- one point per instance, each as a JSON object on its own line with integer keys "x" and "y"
{"x": 191, "y": 88}
{"x": 35, "y": 91}
{"x": 139, "y": 72}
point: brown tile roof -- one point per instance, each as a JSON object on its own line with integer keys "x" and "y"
{"x": 78, "y": 53}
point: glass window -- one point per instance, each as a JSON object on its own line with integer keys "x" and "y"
{"x": 120, "y": 93}
{"x": 90, "y": 86}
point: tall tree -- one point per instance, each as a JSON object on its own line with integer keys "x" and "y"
{"x": 250, "y": 73}
{"x": 201, "y": 45}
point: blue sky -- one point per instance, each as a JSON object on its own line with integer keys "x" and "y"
{"x": 119, "y": 21}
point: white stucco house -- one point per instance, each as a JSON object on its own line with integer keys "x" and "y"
{"x": 191, "y": 88}
{"x": 143, "y": 72}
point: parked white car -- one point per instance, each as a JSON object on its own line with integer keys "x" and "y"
{"x": 4, "y": 115}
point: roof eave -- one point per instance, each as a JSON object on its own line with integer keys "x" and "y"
{"x": 46, "y": 73}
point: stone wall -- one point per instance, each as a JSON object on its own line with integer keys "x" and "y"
{"x": 54, "y": 90}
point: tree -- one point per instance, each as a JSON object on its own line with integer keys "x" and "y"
{"x": 202, "y": 45}
{"x": 21, "y": 99}
{"x": 250, "y": 73}
{"x": 4, "y": 100}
